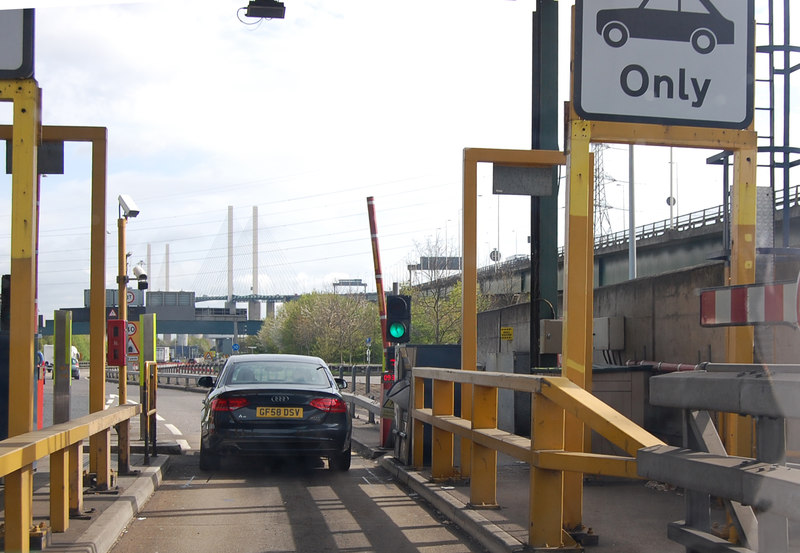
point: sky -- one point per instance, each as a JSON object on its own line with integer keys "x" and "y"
{"x": 303, "y": 118}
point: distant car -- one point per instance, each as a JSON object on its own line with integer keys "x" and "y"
{"x": 75, "y": 368}
{"x": 275, "y": 406}
{"x": 695, "y": 21}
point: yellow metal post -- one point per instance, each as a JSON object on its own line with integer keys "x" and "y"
{"x": 442, "y": 446}
{"x": 123, "y": 429}
{"x": 483, "y": 483}
{"x": 99, "y": 444}
{"x": 578, "y": 294}
{"x": 740, "y": 339}
{"x": 76, "y": 479}
{"x": 469, "y": 295}
{"x": 546, "y": 486}
{"x": 59, "y": 490}
{"x": 418, "y": 443}
{"x": 26, "y": 136}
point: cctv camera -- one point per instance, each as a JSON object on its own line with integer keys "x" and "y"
{"x": 141, "y": 276}
{"x": 139, "y": 272}
{"x": 129, "y": 207}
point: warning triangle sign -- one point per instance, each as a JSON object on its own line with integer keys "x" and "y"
{"x": 131, "y": 348}
{"x": 112, "y": 313}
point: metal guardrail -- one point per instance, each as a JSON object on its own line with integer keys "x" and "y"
{"x": 551, "y": 398}
{"x": 166, "y": 375}
{"x": 62, "y": 442}
{"x": 760, "y": 493}
{"x": 372, "y": 406}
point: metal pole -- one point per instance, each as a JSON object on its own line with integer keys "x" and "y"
{"x": 544, "y": 210}
{"x": 123, "y": 430}
{"x": 671, "y": 199}
{"x": 100, "y": 443}
{"x": 632, "y": 213}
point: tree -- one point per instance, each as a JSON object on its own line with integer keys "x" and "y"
{"x": 331, "y": 326}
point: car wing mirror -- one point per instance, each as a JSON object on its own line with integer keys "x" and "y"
{"x": 341, "y": 383}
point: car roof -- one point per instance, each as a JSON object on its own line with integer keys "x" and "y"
{"x": 285, "y": 357}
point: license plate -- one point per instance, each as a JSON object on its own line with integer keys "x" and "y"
{"x": 280, "y": 412}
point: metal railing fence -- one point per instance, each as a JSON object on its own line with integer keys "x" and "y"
{"x": 552, "y": 398}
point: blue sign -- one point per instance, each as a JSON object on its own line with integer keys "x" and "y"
{"x": 235, "y": 347}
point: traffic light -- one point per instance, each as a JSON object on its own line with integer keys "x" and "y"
{"x": 398, "y": 319}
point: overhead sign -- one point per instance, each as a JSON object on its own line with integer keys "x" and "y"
{"x": 669, "y": 62}
{"x": 16, "y": 44}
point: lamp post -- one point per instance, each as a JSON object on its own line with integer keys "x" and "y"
{"x": 127, "y": 208}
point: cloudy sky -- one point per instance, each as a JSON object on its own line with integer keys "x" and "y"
{"x": 303, "y": 118}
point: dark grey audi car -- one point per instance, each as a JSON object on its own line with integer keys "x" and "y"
{"x": 277, "y": 406}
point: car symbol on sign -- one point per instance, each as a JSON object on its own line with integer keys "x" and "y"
{"x": 694, "y": 21}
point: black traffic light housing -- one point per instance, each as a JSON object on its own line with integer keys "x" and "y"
{"x": 398, "y": 319}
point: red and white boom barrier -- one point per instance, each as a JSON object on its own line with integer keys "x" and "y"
{"x": 751, "y": 304}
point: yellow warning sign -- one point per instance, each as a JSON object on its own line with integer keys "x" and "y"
{"x": 507, "y": 333}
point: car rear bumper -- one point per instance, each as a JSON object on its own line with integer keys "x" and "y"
{"x": 315, "y": 442}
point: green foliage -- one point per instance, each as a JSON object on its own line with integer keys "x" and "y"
{"x": 331, "y": 326}
{"x": 436, "y": 313}
{"x": 81, "y": 341}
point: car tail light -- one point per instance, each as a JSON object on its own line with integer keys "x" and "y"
{"x": 329, "y": 404}
{"x": 228, "y": 403}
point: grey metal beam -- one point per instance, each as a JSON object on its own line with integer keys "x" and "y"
{"x": 706, "y": 439}
{"x": 695, "y": 540}
{"x": 763, "y": 393}
{"x": 764, "y": 486}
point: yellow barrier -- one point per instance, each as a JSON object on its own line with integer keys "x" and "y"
{"x": 63, "y": 443}
{"x": 552, "y": 398}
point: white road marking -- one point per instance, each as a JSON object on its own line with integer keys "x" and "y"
{"x": 160, "y": 418}
{"x": 174, "y": 429}
{"x": 184, "y": 445}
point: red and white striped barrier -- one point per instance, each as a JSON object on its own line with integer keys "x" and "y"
{"x": 752, "y": 304}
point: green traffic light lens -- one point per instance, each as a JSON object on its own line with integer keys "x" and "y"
{"x": 396, "y": 330}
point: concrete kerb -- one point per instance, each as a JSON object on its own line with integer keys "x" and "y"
{"x": 492, "y": 537}
{"x": 104, "y": 532}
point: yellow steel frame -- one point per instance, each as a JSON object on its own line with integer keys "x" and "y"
{"x": 26, "y": 134}
{"x": 469, "y": 293}
{"x": 477, "y": 410}
{"x": 552, "y": 399}
{"x": 579, "y": 262}
{"x": 26, "y": 137}
{"x": 100, "y": 444}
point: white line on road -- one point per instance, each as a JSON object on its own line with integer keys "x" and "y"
{"x": 159, "y": 418}
{"x": 184, "y": 445}
{"x": 174, "y": 429}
